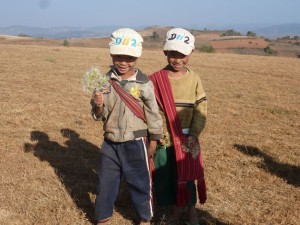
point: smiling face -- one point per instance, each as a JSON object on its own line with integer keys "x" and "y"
{"x": 124, "y": 64}
{"x": 177, "y": 60}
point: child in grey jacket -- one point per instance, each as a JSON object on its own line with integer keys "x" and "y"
{"x": 132, "y": 125}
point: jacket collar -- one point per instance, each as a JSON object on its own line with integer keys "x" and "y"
{"x": 140, "y": 77}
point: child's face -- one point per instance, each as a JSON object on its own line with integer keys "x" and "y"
{"x": 124, "y": 63}
{"x": 177, "y": 60}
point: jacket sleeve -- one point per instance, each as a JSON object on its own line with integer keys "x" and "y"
{"x": 102, "y": 117}
{"x": 199, "y": 111}
{"x": 154, "y": 119}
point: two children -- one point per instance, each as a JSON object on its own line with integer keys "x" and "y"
{"x": 130, "y": 115}
{"x": 132, "y": 124}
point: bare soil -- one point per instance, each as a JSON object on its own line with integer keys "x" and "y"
{"x": 49, "y": 142}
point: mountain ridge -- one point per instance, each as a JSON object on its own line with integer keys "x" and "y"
{"x": 268, "y": 31}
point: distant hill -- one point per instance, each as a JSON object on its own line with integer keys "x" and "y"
{"x": 268, "y": 31}
{"x": 280, "y": 30}
{"x": 59, "y": 32}
{"x": 207, "y": 41}
{"x": 104, "y": 31}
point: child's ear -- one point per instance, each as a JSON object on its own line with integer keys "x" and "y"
{"x": 191, "y": 52}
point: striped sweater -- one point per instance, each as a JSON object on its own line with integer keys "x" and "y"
{"x": 191, "y": 103}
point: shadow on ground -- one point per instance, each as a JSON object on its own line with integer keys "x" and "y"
{"x": 285, "y": 171}
{"x": 161, "y": 214}
{"x": 76, "y": 163}
{"x": 162, "y": 218}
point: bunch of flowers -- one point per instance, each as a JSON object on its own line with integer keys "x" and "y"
{"x": 190, "y": 145}
{"x": 94, "y": 80}
{"x": 166, "y": 139}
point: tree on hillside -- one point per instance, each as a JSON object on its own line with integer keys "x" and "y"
{"x": 66, "y": 42}
{"x": 23, "y": 35}
{"x": 155, "y": 35}
{"x": 270, "y": 51}
{"x": 231, "y": 33}
{"x": 251, "y": 34}
{"x": 206, "y": 48}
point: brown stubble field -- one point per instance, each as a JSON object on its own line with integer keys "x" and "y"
{"x": 50, "y": 144}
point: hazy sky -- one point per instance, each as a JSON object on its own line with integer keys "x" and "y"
{"x": 132, "y": 13}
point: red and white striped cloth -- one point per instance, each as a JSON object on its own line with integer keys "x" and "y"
{"x": 188, "y": 168}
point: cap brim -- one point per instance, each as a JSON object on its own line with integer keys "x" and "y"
{"x": 182, "y": 48}
{"x": 124, "y": 50}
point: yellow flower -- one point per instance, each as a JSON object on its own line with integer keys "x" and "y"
{"x": 135, "y": 92}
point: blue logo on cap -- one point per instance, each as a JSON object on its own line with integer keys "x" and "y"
{"x": 126, "y": 41}
{"x": 179, "y": 37}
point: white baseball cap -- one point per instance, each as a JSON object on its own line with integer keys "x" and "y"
{"x": 126, "y": 41}
{"x": 180, "y": 40}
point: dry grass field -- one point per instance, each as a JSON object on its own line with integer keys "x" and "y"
{"x": 49, "y": 143}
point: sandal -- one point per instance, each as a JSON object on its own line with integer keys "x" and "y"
{"x": 188, "y": 223}
{"x": 103, "y": 222}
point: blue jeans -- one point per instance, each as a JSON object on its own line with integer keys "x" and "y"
{"x": 128, "y": 159}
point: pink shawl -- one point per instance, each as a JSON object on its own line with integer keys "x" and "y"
{"x": 188, "y": 168}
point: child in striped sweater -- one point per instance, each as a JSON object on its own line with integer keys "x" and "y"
{"x": 183, "y": 104}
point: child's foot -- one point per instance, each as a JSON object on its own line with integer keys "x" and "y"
{"x": 175, "y": 215}
{"x": 103, "y": 222}
{"x": 145, "y": 223}
{"x": 193, "y": 218}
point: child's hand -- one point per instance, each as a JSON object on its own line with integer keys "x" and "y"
{"x": 98, "y": 98}
{"x": 194, "y": 146}
{"x": 151, "y": 148}
{"x": 192, "y": 140}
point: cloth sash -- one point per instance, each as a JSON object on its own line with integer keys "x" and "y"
{"x": 188, "y": 168}
{"x": 137, "y": 109}
{"x": 129, "y": 100}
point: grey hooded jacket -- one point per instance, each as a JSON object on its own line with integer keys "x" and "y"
{"x": 120, "y": 124}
